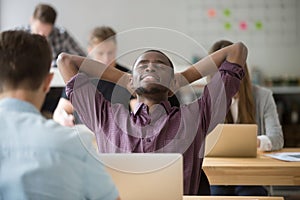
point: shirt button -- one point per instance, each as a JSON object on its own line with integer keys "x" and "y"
{"x": 148, "y": 140}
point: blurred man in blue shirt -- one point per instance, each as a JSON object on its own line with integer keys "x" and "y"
{"x": 39, "y": 159}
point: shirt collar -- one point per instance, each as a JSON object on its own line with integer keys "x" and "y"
{"x": 141, "y": 107}
{"x": 13, "y": 104}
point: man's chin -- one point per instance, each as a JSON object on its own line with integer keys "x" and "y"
{"x": 151, "y": 90}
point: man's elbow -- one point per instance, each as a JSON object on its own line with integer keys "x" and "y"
{"x": 242, "y": 49}
{"x": 65, "y": 66}
{"x": 63, "y": 59}
{"x": 241, "y": 53}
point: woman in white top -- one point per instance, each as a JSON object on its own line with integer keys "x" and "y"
{"x": 252, "y": 105}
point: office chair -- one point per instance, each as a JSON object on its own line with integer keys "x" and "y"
{"x": 204, "y": 187}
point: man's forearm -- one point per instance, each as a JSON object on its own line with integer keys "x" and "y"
{"x": 69, "y": 65}
{"x": 236, "y": 53}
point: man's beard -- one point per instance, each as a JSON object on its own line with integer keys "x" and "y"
{"x": 151, "y": 90}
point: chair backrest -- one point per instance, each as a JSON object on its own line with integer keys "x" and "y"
{"x": 204, "y": 187}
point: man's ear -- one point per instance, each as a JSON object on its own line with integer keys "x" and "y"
{"x": 130, "y": 86}
{"x": 47, "y": 82}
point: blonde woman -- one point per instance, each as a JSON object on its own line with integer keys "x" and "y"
{"x": 102, "y": 47}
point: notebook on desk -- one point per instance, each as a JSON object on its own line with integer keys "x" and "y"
{"x": 147, "y": 176}
{"x": 232, "y": 140}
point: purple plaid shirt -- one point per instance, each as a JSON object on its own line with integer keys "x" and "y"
{"x": 165, "y": 129}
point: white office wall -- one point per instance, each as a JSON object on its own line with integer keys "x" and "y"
{"x": 275, "y": 49}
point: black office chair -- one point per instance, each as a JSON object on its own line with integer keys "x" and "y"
{"x": 204, "y": 187}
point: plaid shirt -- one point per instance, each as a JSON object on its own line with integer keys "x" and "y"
{"x": 166, "y": 129}
{"x": 60, "y": 41}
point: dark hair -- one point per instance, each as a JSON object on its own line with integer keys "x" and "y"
{"x": 246, "y": 106}
{"x": 45, "y": 13}
{"x": 100, "y": 34}
{"x": 160, "y": 52}
{"x": 25, "y": 60}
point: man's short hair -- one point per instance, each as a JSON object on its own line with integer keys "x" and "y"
{"x": 156, "y": 51}
{"x": 160, "y": 52}
{"x": 100, "y": 34}
{"x": 25, "y": 60}
{"x": 45, "y": 13}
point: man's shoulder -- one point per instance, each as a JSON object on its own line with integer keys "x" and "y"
{"x": 54, "y": 129}
{"x": 75, "y": 139}
{"x": 59, "y": 31}
{"x": 33, "y": 128}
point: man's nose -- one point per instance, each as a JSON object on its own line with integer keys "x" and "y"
{"x": 150, "y": 67}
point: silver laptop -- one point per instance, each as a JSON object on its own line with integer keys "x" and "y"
{"x": 147, "y": 176}
{"x": 232, "y": 140}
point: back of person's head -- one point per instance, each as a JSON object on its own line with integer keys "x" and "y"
{"x": 25, "y": 60}
{"x": 100, "y": 34}
{"x": 45, "y": 13}
{"x": 246, "y": 108}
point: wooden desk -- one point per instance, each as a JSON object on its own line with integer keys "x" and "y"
{"x": 262, "y": 170}
{"x": 230, "y": 198}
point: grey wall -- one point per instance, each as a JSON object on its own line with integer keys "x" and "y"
{"x": 274, "y": 49}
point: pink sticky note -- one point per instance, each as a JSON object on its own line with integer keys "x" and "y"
{"x": 243, "y": 25}
{"x": 211, "y": 12}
